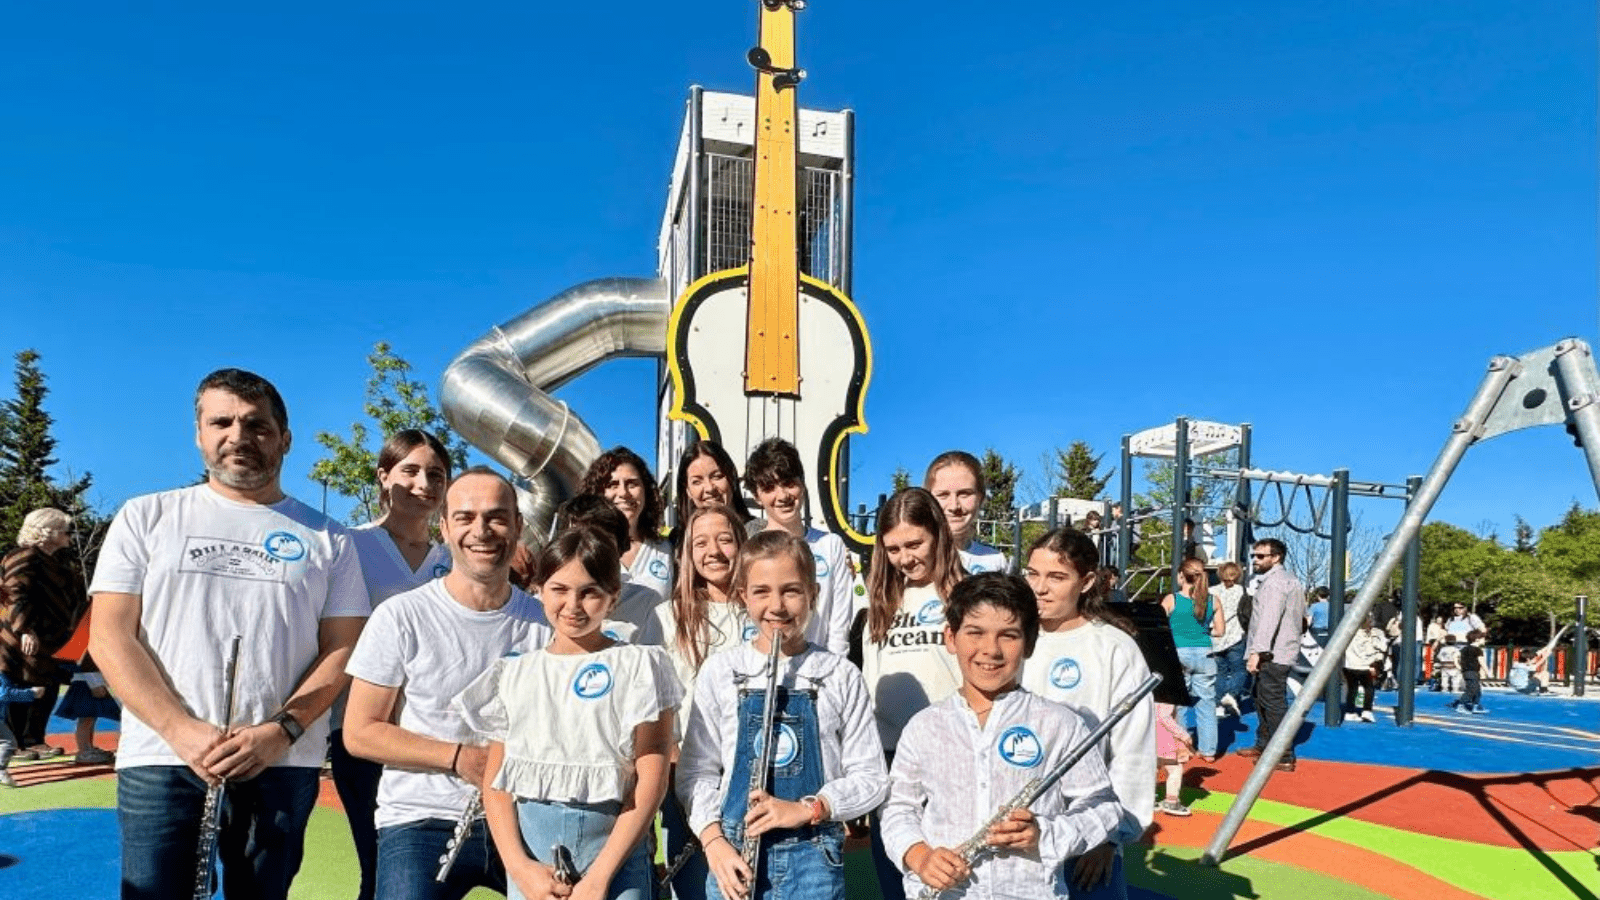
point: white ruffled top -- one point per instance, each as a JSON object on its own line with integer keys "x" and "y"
{"x": 567, "y": 720}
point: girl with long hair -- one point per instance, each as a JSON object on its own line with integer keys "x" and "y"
{"x": 621, "y": 476}
{"x": 1195, "y": 620}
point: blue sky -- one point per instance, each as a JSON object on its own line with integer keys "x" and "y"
{"x": 1073, "y": 220}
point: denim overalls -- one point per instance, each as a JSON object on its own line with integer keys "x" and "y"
{"x": 795, "y": 863}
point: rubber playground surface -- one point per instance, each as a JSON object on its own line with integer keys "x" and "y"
{"x": 1504, "y": 807}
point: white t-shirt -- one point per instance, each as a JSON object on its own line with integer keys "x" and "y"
{"x": 979, "y": 557}
{"x": 1228, "y": 599}
{"x": 636, "y": 603}
{"x": 431, "y": 647}
{"x": 598, "y": 699}
{"x": 727, "y": 628}
{"x": 207, "y": 568}
{"x": 911, "y": 669}
{"x": 1089, "y": 669}
{"x": 387, "y": 573}
{"x": 652, "y": 567}
{"x": 829, "y": 627}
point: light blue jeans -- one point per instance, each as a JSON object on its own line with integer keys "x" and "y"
{"x": 1200, "y": 675}
{"x": 582, "y": 828}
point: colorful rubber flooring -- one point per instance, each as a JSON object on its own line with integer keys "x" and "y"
{"x": 1503, "y": 807}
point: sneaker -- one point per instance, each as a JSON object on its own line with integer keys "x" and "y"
{"x": 1173, "y": 808}
{"x": 1351, "y": 717}
{"x": 45, "y": 751}
{"x": 25, "y": 756}
{"x": 94, "y": 756}
{"x": 1248, "y": 752}
{"x": 1285, "y": 766}
{"x": 1478, "y": 710}
{"x": 1366, "y": 716}
{"x": 1231, "y": 704}
{"x": 6, "y": 780}
{"x": 1221, "y": 713}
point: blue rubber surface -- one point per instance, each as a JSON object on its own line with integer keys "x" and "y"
{"x": 59, "y": 853}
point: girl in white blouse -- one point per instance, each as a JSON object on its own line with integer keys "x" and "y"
{"x": 580, "y": 733}
{"x": 827, "y": 763}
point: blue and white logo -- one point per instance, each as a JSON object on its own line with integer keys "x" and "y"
{"x": 658, "y": 569}
{"x": 1020, "y": 747}
{"x": 787, "y": 748}
{"x": 285, "y": 546}
{"x": 749, "y": 633}
{"x": 440, "y": 570}
{"x": 1065, "y": 673}
{"x": 931, "y": 613}
{"x": 822, "y": 565}
{"x": 592, "y": 682}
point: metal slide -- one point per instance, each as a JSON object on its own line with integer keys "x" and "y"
{"x": 496, "y": 393}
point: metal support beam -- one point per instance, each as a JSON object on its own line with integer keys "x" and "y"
{"x": 1124, "y": 522}
{"x": 1180, "y": 494}
{"x": 1333, "y": 711}
{"x": 1410, "y": 653}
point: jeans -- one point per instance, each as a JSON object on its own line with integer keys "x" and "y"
{"x": 808, "y": 869}
{"x": 1232, "y": 677}
{"x": 30, "y": 720}
{"x": 1271, "y": 703}
{"x": 356, "y": 780}
{"x": 408, "y": 861}
{"x": 1115, "y": 889}
{"x": 583, "y": 828}
{"x": 1472, "y": 697}
{"x": 259, "y": 846}
{"x": 1200, "y": 675}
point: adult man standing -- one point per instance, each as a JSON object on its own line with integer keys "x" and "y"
{"x": 183, "y": 572}
{"x": 419, "y": 651}
{"x": 1276, "y": 621}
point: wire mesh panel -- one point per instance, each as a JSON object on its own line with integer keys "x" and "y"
{"x": 728, "y": 195}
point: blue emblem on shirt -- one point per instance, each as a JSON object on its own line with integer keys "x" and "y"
{"x": 822, "y": 564}
{"x": 285, "y": 546}
{"x": 787, "y": 748}
{"x": 749, "y": 632}
{"x": 931, "y": 613}
{"x": 658, "y": 569}
{"x": 1065, "y": 673}
{"x": 1019, "y": 746}
{"x": 440, "y": 570}
{"x": 592, "y": 681}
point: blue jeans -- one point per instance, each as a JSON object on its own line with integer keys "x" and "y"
{"x": 1231, "y": 674}
{"x": 356, "y": 780}
{"x": 1114, "y": 889}
{"x": 583, "y": 828}
{"x": 408, "y": 860}
{"x": 260, "y": 844}
{"x": 690, "y": 883}
{"x": 806, "y": 869}
{"x": 1200, "y": 675}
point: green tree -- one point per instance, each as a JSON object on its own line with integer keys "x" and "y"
{"x": 900, "y": 480}
{"x": 1077, "y": 473}
{"x": 27, "y": 456}
{"x": 1205, "y": 503}
{"x": 1460, "y": 567}
{"x": 1000, "y": 498}
{"x": 394, "y": 401}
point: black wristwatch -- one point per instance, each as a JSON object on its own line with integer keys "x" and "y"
{"x": 290, "y": 726}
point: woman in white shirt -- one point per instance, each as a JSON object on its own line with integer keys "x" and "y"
{"x": 397, "y": 553}
{"x": 620, "y": 476}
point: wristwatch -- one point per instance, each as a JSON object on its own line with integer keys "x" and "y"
{"x": 290, "y": 726}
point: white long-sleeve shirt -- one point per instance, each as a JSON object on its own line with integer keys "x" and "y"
{"x": 1090, "y": 668}
{"x": 829, "y": 627}
{"x": 951, "y": 775}
{"x": 853, "y": 775}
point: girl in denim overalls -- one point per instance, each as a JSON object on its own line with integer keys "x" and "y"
{"x": 580, "y": 733}
{"x": 827, "y": 764}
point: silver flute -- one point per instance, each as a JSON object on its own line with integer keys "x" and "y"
{"x": 458, "y": 837}
{"x": 751, "y": 851}
{"x": 977, "y": 846}
{"x": 211, "y": 814}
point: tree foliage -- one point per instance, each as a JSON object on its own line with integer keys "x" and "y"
{"x": 1000, "y": 498}
{"x": 394, "y": 401}
{"x": 900, "y": 480}
{"x": 1077, "y": 473}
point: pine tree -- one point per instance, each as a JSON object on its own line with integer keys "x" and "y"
{"x": 1076, "y": 472}
{"x": 27, "y": 451}
{"x": 1000, "y": 485}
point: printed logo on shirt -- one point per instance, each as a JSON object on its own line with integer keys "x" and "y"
{"x": 285, "y": 546}
{"x": 1020, "y": 747}
{"x": 440, "y": 570}
{"x": 787, "y": 747}
{"x": 822, "y": 565}
{"x": 748, "y": 633}
{"x": 1065, "y": 673}
{"x": 612, "y": 635}
{"x": 592, "y": 681}
{"x": 975, "y": 569}
{"x": 931, "y": 613}
{"x": 657, "y": 569}
{"x": 225, "y": 558}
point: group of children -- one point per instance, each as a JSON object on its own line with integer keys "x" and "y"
{"x": 968, "y": 686}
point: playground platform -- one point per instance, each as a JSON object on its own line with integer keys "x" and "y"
{"x": 1504, "y": 806}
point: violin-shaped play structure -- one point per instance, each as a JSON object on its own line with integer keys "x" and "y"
{"x": 749, "y": 316}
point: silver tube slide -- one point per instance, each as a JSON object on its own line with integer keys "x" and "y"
{"x": 496, "y": 393}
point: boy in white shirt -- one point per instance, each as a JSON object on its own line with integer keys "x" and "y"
{"x": 965, "y": 757}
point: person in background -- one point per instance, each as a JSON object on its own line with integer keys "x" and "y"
{"x": 1448, "y": 664}
{"x": 1471, "y": 699}
{"x": 87, "y": 701}
{"x": 1462, "y": 623}
{"x": 1363, "y": 661}
{"x": 622, "y": 478}
{"x": 1196, "y": 621}
{"x": 955, "y": 479}
{"x": 46, "y": 602}
{"x": 1228, "y": 649}
{"x": 1273, "y": 642}
{"x": 9, "y": 694}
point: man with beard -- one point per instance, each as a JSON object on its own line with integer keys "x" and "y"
{"x": 421, "y": 649}
{"x": 180, "y": 575}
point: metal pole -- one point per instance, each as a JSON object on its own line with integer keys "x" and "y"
{"x": 1241, "y": 502}
{"x": 1016, "y": 540}
{"x": 1410, "y": 653}
{"x": 1580, "y": 648}
{"x": 1180, "y": 493}
{"x": 1467, "y": 429}
{"x": 1124, "y": 526}
{"x": 1332, "y": 708}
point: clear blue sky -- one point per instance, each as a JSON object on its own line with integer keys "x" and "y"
{"x": 1073, "y": 220}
